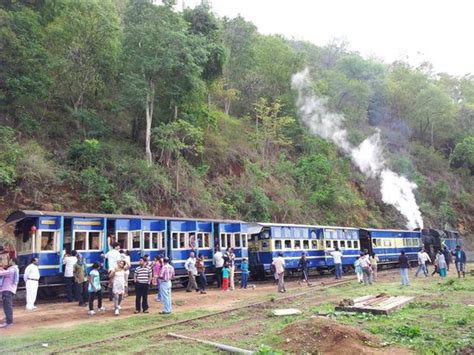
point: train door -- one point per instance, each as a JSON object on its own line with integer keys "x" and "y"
{"x": 182, "y": 242}
{"x": 87, "y": 238}
{"x": 234, "y": 235}
{"x": 47, "y": 244}
{"x": 154, "y": 238}
{"x": 128, "y": 233}
{"x": 203, "y": 242}
{"x": 365, "y": 239}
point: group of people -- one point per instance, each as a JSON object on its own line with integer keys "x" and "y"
{"x": 365, "y": 265}
{"x": 441, "y": 263}
{"x": 224, "y": 268}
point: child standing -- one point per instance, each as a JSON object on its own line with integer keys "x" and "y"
{"x": 244, "y": 267}
{"x": 118, "y": 286}
{"x": 95, "y": 289}
{"x": 358, "y": 270}
{"x": 225, "y": 277}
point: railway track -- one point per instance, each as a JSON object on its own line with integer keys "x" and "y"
{"x": 85, "y": 345}
{"x": 189, "y": 320}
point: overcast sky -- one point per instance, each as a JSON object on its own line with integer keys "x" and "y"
{"x": 439, "y": 31}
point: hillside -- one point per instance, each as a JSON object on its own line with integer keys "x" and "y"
{"x": 128, "y": 107}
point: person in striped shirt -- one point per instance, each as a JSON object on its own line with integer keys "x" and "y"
{"x": 142, "y": 279}
{"x": 166, "y": 275}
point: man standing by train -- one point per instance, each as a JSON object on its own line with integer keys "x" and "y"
{"x": 337, "y": 256}
{"x": 113, "y": 256}
{"x": 423, "y": 257}
{"x": 190, "y": 266}
{"x": 279, "y": 264}
{"x": 460, "y": 260}
{"x": 8, "y": 290}
{"x": 31, "y": 278}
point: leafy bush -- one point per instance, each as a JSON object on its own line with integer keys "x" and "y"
{"x": 9, "y": 154}
{"x": 463, "y": 154}
{"x": 85, "y": 154}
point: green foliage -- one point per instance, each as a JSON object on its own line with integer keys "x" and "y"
{"x": 9, "y": 154}
{"x": 85, "y": 154}
{"x": 176, "y": 139}
{"x": 463, "y": 154}
{"x": 24, "y": 59}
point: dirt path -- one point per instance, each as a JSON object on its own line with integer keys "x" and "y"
{"x": 62, "y": 314}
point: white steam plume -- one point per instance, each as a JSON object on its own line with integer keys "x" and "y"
{"x": 368, "y": 156}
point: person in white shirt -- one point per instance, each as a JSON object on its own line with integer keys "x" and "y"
{"x": 190, "y": 266}
{"x": 218, "y": 262}
{"x": 366, "y": 269}
{"x": 113, "y": 257}
{"x": 423, "y": 257}
{"x": 125, "y": 256}
{"x": 69, "y": 261}
{"x": 279, "y": 264}
{"x": 337, "y": 256}
{"x": 31, "y": 277}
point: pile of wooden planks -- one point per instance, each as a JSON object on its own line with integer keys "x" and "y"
{"x": 379, "y": 304}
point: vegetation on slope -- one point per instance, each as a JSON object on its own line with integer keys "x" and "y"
{"x": 125, "y": 106}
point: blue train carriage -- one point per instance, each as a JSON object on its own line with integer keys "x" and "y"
{"x": 388, "y": 243}
{"x": 190, "y": 235}
{"x": 49, "y": 235}
{"x": 344, "y": 238}
{"x": 266, "y": 240}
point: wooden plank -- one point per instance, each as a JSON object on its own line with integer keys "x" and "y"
{"x": 363, "y": 298}
{"x": 385, "y": 307}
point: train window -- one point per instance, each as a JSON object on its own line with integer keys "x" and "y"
{"x": 334, "y": 244}
{"x": 122, "y": 238}
{"x": 23, "y": 245}
{"x": 207, "y": 240}
{"x": 191, "y": 242}
{"x": 313, "y": 235}
{"x": 175, "y": 240}
{"x": 305, "y": 244}
{"x": 349, "y": 244}
{"x": 387, "y": 243}
{"x": 374, "y": 242}
{"x": 328, "y": 244}
{"x": 297, "y": 244}
{"x": 94, "y": 241}
{"x": 47, "y": 241}
{"x": 67, "y": 245}
{"x": 277, "y": 244}
{"x": 200, "y": 240}
{"x": 342, "y": 243}
{"x": 356, "y": 244}
{"x": 237, "y": 240}
{"x": 135, "y": 240}
{"x": 277, "y": 232}
{"x": 80, "y": 240}
{"x": 318, "y": 245}
{"x": 287, "y": 244}
{"x": 152, "y": 240}
{"x": 244, "y": 240}
{"x": 223, "y": 245}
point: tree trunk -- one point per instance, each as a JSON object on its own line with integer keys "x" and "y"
{"x": 177, "y": 175}
{"x": 150, "y": 98}
{"x": 175, "y": 112}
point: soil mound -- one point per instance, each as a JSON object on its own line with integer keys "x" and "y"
{"x": 322, "y": 335}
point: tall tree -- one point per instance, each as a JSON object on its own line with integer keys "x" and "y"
{"x": 160, "y": 58}
{"x": 84, "y": 40}
{"x": 23, "y": 59}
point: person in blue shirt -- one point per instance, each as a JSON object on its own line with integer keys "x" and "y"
{"x": 95, "y": 289}
{"x": 460, "y": 260}
{"x": 244, "y": 267}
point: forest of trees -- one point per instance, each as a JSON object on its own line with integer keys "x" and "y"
{"x": 133, "y": 107}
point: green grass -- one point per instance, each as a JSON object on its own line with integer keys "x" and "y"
{"x": 438, "y": 321}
